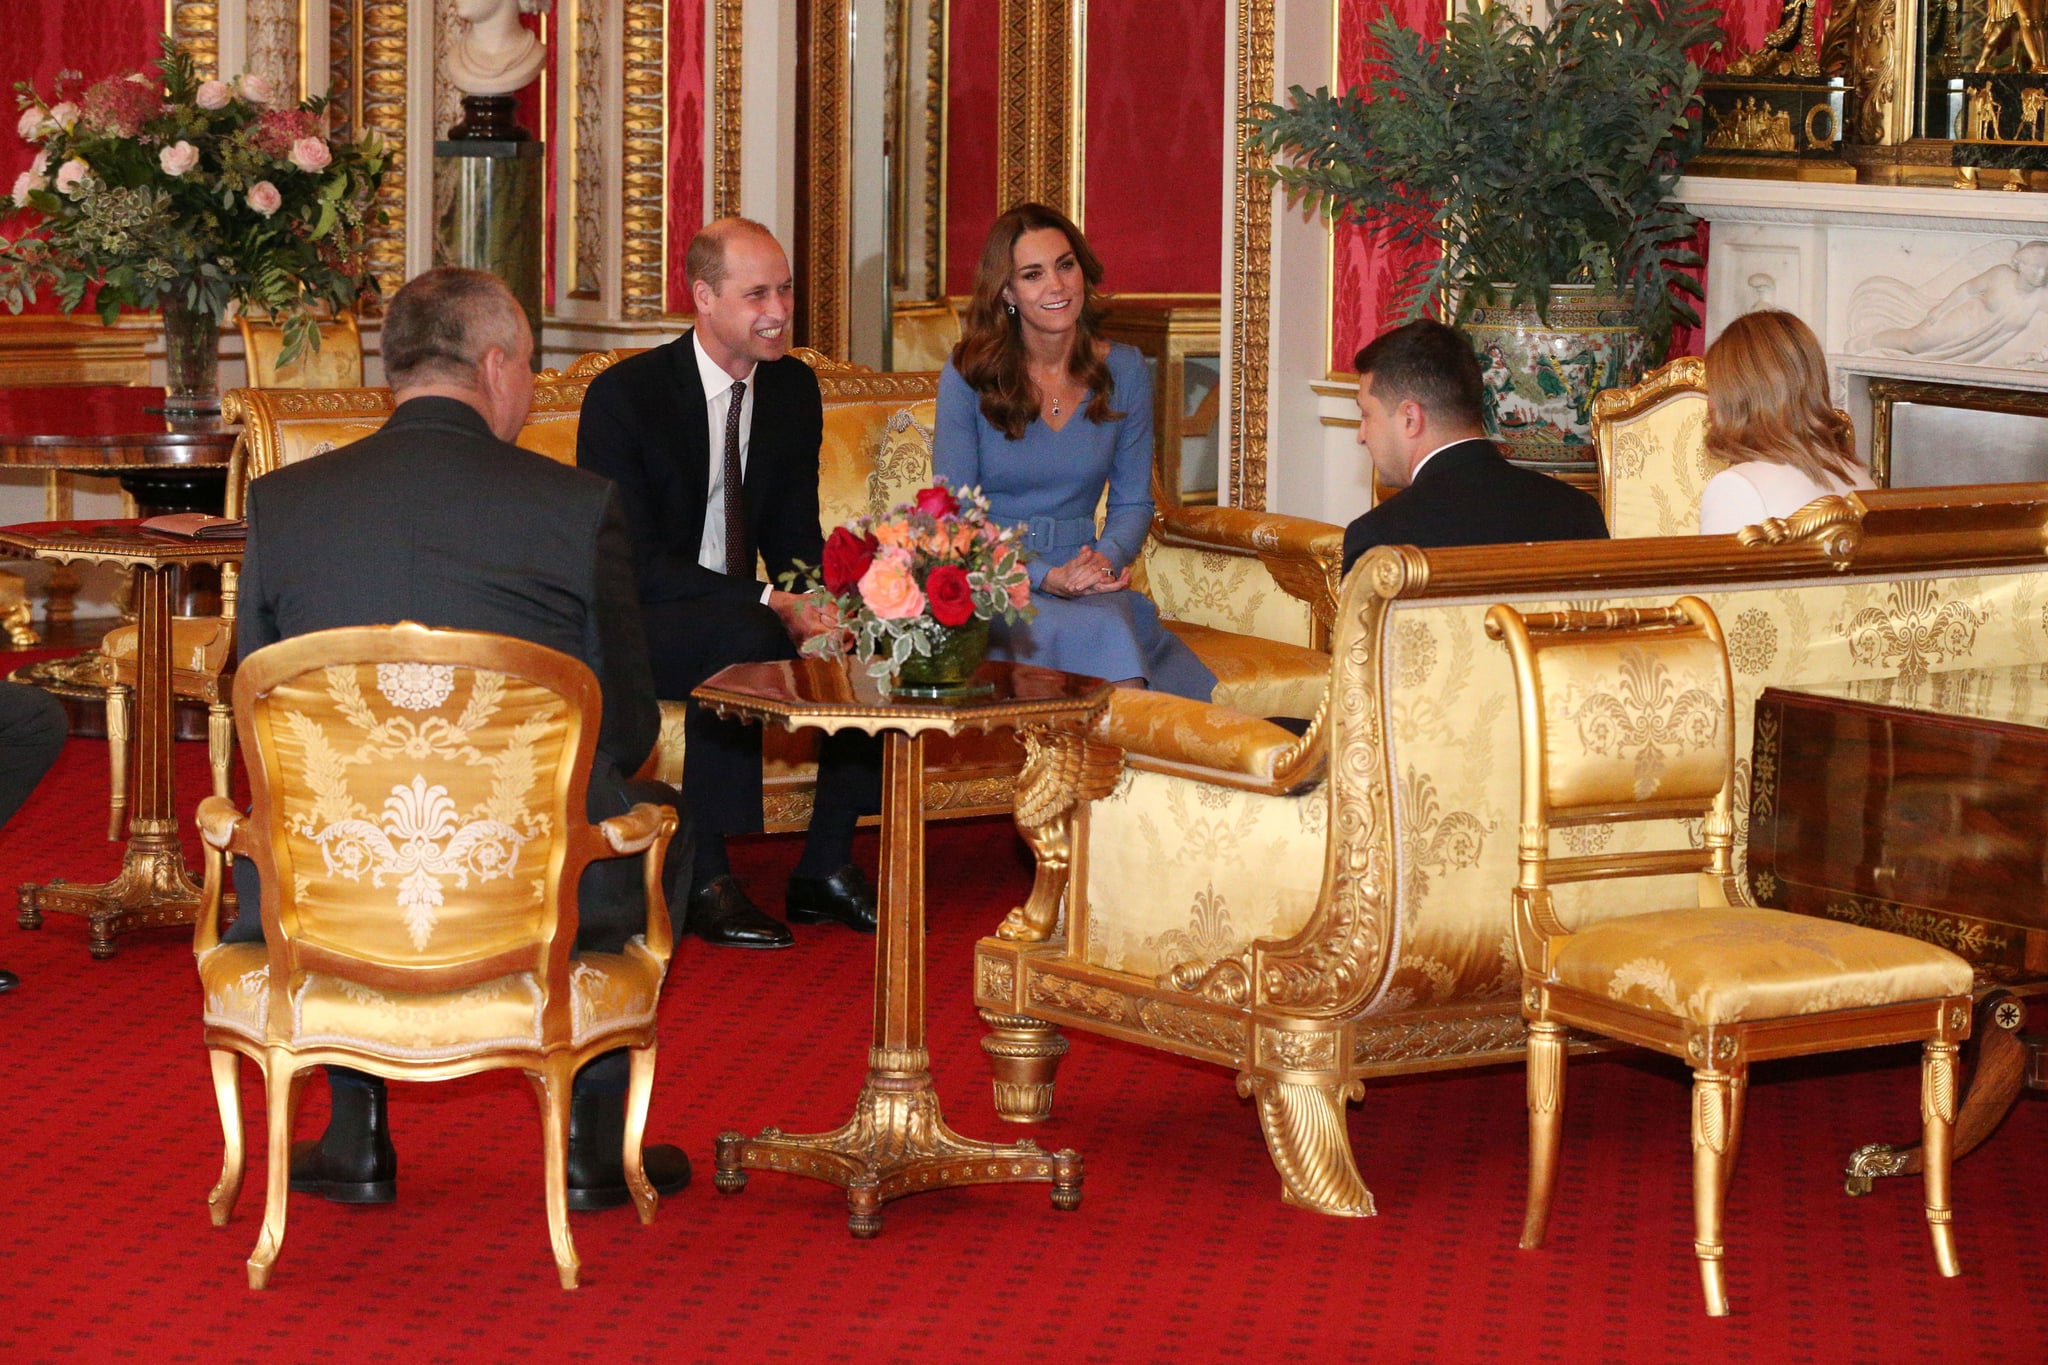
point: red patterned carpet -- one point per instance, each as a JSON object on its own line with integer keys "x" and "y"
{"x": 1180, "y": 1251}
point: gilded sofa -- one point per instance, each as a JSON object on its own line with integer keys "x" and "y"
{"x": 1316, "y": 913}
{"x": 1253, "y": 593}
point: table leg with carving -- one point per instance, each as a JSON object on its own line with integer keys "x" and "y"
{"x": 897, "y": 1141}
{"x": 154, "y": 886}
{"x": 2006, "y": 1062}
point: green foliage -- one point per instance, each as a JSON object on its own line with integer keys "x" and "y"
{"x": 106, "y": 208}
{"x": 1527, "y": 156}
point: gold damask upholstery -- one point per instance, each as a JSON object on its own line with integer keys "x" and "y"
{"x": 337, "y": 364}
{"x": 417, "y": 823}
{"x": 1651, "y": 442}
{"x": 1627, "y": 715}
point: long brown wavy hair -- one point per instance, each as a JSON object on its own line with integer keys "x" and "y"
{"x": 990, "y": 356}
{"x": 1767, "y": 399}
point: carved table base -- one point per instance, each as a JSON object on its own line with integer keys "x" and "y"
{"x": 152, "y": 890}
{"x": 2006, "y": 1062}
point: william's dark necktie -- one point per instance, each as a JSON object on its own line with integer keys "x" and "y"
{"x": 737, "y": 560}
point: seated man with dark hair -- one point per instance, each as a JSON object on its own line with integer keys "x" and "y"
{"x": 32, "y": 730}
{"x": 1422, "y": 421}
{"x": 438, "y": 518}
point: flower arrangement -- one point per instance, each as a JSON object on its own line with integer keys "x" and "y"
{"x": 901, "y": 585}
{"x": 167, "y": 191}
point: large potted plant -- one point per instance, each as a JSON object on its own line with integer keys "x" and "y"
{"x": 168, "y": 192}
{"x": 1528, "y": 171}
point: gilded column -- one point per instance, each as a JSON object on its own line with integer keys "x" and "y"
{"x": 725, "y": 91}
{"x": 381, "y": 102}
{"x": 196, "y": 26}
{"x": 1040, "y": 102}
{"x": 829, "y": 162}
{"x": 1251, "y": 264}
{"x": 644, "y": 240}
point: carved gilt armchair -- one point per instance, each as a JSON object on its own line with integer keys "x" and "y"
{"x": 338, "y": 364}
{"x": 417, "y": 820}
{"x": 1628, "y": 715}
{"x": 1650, "y": 439}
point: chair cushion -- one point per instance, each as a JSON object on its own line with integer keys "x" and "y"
{"x": 1740, "y": 965}
{"x": 1259, "y": 677}
{"x": 609, "y": 991}
{"x": 199, "y": 644}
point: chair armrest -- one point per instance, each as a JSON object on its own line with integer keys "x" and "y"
{"x": 1162, "y": 733}
{"x": 1304, "y": 557}
{"x": 223, "y": 829}
{"x": 646, "y": 829}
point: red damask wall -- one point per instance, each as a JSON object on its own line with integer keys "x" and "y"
{"x": 1153, "y": 197}
{"x": 1363, "y": 274}
{"x": 970, "y": 136}
{"x": 685, "y": 141}
{"x": 37, "y": 40}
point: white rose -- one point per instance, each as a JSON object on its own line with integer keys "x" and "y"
{"x": 31, "y": 122}
{"x": 311, "y": 154}
{"x": 64, "y": 115}
{"x": 212, "y": 95}
{"x": 255, "y": 89}
{"x": 25, "y": 184}
{"x": 178, "y": 158}
{"x": 71, "y": 175}
{"x": 41, "y": 165}
{"x": 264, "y": 198}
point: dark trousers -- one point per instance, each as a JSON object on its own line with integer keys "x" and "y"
{"x": 611, "y": 907}
{"x": 32, "y": 730}
{"x": 689, "y": 641}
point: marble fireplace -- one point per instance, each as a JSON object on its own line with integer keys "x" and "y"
{"x": 1932, "y": 305}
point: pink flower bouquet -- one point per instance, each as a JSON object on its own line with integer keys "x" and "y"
{"x": 901, "y": 584}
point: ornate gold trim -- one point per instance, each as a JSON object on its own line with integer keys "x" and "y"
{"x": 829, "y": 165}
{"x": 1835, "y": 524}
{"x": 195, "y": 24}
{"x": 344, "y": 90}
{"x": 1687, "y": 374}
{"x": 936, "y": 82}
{"x": 643, "y": 278}
{"x": 381, "y": 98}
{"x": 723, "y": 75}
{"x": 1251, "y": 264}
{"x": 586, "y": 155}
{"x": 1040, "y": 103}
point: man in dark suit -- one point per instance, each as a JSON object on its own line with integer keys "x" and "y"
{"x": 437, "y": 518}
{"x": 1422, "y": 420}
{"x": 32, "y": 731}
{"x": 680, "y": 428}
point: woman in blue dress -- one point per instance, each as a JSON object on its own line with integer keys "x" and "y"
{"x": 1041, "y": 413}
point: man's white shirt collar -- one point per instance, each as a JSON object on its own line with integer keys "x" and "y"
{"x": 1415, "y": 472}
{"x": 716, "y": 380}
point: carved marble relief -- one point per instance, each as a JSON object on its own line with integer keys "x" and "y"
{"x": 1985, "y": 309}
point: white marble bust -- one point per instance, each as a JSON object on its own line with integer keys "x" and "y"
{"x": 495, "y": 54}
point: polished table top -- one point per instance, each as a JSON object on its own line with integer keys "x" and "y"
{"x": 104, "y": 429}
{"x": 121, "y": 541}
{"x": 837, "y": 694}
{"x": 2016, "y": 694}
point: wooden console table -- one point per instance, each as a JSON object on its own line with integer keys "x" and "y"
{"x": 154, "y": 887}
{"x": 897, "y": 1142}
{"x": 1921, "y": 808}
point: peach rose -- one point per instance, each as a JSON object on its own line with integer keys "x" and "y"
{"x": 264, "y": 198}
{"x": 256, "y": 89}
{"x": 31, "y": 122}
{"x": 25, "y": 184}
{"x": 963, "y": 538}
{"x": 311, "y": 154}
{"x": 1020, "y": 593}
{"x": 895, "y": 535}
{"x": 41, "y": 165}
{"x": 212, "y": 95}
{"x": 64, "y": 114}
{"x": 178, "y": 158}
{"x": 889, "y": 589}
{"x": 71, "y": 175}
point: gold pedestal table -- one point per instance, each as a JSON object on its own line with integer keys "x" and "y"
{"x": 897, "y": 1142}
{"x": 154, "y": 886}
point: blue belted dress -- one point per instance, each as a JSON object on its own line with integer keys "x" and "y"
{"x": 1050, "y": 481}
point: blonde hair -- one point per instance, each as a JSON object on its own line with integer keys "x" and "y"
{"x": 1767, "y": 399}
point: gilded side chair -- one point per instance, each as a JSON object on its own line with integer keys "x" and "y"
{"x": 1651, "y": 443}
{"x": 1627, "y": 716}
{"x": 337, "y": 364}
{"x": 417, "y": 821}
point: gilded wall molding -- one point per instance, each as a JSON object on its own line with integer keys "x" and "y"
{"x": 1040, "y": 103}
{"x": 195, "y": 24}
{"x": 643, "y": 283}
{"x": 344, "y": 57}
{"x": 587, "y": 155}
{"x": 828, "y": 136}
{"x": 1251, "y": 263}
{"x": 725, "y": 89}
{"x": 935, "y": 85}
{"x": 382, "y": 104}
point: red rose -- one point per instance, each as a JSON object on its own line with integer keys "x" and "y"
{"x": 847, "y": 557}
{"x": 938, "y": 502}
{"x": 946, "y": 589}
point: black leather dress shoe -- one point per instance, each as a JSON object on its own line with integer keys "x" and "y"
{"x": 846, "y": 897}
{"x": 719, "y": 912}
{"x": 597, "y": 1170}
{"x": 8, "y": 980}
{"x": 353, "y": 1162}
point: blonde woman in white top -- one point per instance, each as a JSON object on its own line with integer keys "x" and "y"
{"x": 1769, "y": 416}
